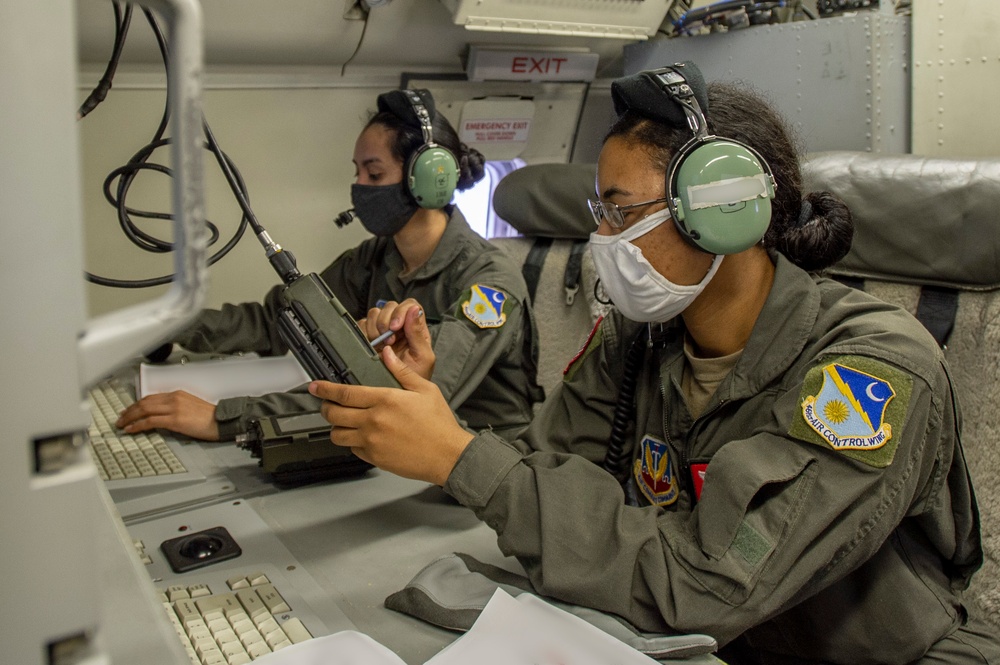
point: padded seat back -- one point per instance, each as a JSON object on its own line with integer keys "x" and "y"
{"x": 547, "y": 204}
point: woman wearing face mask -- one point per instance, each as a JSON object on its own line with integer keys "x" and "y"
{"x": 784, "y": 471}
{"x": 423, "y": 257}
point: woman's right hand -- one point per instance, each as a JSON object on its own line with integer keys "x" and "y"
{"x": 411, "y": 339}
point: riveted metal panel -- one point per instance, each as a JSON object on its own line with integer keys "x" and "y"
{"x": 956, "y": 64}
{"x": 843, "y": 83}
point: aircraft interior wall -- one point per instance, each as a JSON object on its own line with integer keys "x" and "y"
{"x": 289, "y": 85}
{"x": 292, "y": 144}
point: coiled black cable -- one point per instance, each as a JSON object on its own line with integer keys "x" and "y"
{"x": 617, "y": 456}
{"x": 116, "y": 193}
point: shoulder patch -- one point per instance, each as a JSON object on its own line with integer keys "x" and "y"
{"x": 485, "y": 306}
{"x": 855, "y": 405}
{"x": 594, "y": 337}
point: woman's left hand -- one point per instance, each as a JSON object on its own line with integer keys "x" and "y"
{"x": 411, "y": 432}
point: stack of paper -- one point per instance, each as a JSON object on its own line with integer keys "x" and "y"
{"x": 510, "y": 631}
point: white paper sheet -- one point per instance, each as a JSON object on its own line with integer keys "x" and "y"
{"x": 348, "y": 647}
{"x": 528, "y": 631}
{"x": 212, "y": 380}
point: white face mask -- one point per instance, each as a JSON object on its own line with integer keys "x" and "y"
{"x": 634, "y": 286}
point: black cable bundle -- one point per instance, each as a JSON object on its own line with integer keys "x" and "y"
{"x": 617, "y": 457}
{"x": 125, "y": 175}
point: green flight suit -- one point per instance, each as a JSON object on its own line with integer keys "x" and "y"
{"x": 485, "y": 366}
{"x": 791, "y": 546}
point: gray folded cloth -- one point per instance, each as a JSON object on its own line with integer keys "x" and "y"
{"x": 451, "y": 591}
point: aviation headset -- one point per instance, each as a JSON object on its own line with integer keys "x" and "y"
{"x": 432, "y": 172}
{"x": 718, "y": 190}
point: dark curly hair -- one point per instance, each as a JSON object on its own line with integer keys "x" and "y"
{"x": 814, "y": 231}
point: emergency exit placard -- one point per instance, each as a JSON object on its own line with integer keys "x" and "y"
{"x": 498, "y": 127}
{"x": 520, "y": 65}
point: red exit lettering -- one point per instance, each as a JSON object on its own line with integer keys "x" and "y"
{"x": 523, "y": 64}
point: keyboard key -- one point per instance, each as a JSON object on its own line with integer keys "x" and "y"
{"x": 272, "y": 599}
{"x": 296, "y": 630}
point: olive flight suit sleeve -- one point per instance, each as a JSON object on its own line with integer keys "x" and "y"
{"x": 465, "y": 352}
{"x": 779, "y": 519}
{"x": 251, "y": 327}
{"x": 233, "y": 415}
{"x": 243, "y": 328}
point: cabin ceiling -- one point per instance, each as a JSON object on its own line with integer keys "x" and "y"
{"x": 403, "y": 35}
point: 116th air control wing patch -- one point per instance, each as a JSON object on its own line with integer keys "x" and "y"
{"x": 856, "y": 406}
{"x": 485, "y": 306}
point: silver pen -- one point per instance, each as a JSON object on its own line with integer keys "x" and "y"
{"x": 381, "y": 338}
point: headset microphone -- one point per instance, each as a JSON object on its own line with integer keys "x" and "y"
{"x": 344, "y": 218}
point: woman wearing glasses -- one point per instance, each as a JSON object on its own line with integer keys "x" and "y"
{"x": 742, "y": 449}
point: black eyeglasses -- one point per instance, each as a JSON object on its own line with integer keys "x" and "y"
{"x": 613, "y": 213}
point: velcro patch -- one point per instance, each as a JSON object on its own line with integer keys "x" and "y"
{"x": 485, "y": 306}
{"x": 855, "y": 405}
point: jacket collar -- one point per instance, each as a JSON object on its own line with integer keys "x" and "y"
{"x": 457, "y": 235}
{"x": 782, "y": 331}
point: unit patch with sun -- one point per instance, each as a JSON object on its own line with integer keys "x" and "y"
{"x": 485, "y": 306}
{"x": 856, "y": 406}
{"x": 654, "y": 472}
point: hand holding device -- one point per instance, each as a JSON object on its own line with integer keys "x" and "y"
{"x": 411, "y": 432}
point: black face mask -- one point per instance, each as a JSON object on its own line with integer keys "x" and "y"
{"x": 383, "y": 209}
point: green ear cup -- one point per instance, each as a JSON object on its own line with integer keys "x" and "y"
{"x": 432, "y": 176}
{"x": 720, "y": 195}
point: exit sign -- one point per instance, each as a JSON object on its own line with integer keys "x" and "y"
{"x": 520, "y": 65}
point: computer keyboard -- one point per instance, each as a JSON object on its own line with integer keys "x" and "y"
{"x": 240, "y": 609}
{"x": 148, "y": 472}
{"x": 119, "y": 455}
{"x": 233, "y": 625}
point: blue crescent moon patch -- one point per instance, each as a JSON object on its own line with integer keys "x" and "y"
{"x": 855, "y": 405}
{"x": 848, "y": 411}
{"x": 485, "y": 306}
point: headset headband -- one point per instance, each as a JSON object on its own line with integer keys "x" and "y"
{"x": 426, "y": 128}
{"x": 674, "y": 83}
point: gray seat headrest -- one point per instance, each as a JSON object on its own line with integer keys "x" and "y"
{"x": 548, "y": 200}
{"x": 918, "y": 220}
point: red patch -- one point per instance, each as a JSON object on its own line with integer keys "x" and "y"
{"x": 698, "y": 477}
{"x": 583, "y": 348}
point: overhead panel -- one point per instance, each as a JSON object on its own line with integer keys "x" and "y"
{"x": 616, "y": 19}
{"x": 550, "y": 110}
